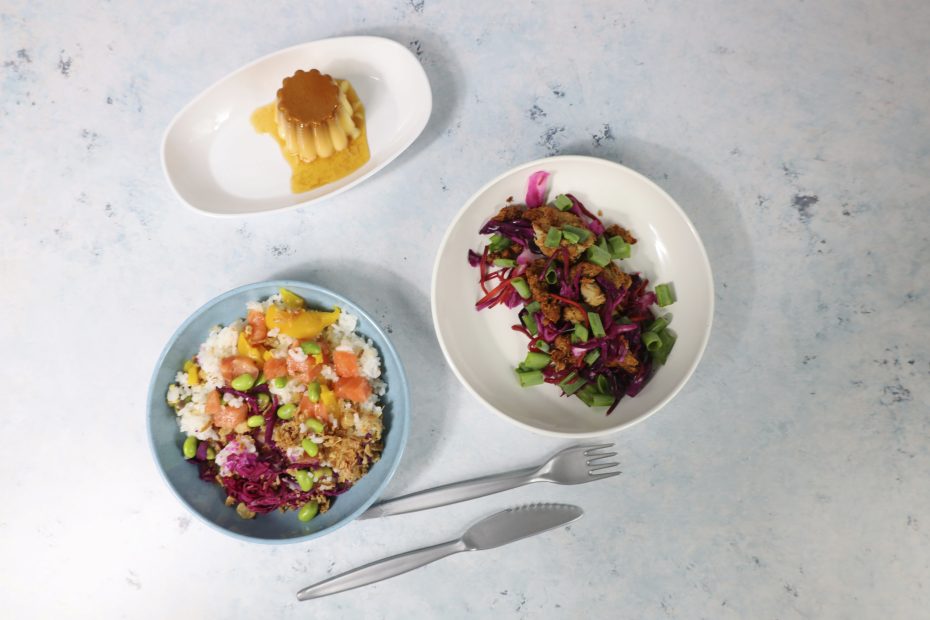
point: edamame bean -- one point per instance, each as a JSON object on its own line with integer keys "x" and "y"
{"x": 308, "y": 511}
{"x": 190, "y": 447}
{"x": 313, "y": 392}
{"x": 303, "y": 479}
{"x": 255, "y": 421}
{"x": 211, "y": 454}
{"x": 309, "y": 447}
{"x": 286, "y": 412}
{"x": 263, "y": 400}
{"x": 279, "y": 382}
{"x": 261, "y": 379}
{"x": 314, "y": 424}
{"x": 310, "y": 348}
{"x": 323, "y": 472}
{"x": 243, "y": 383}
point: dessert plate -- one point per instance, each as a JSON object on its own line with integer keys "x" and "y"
{"x": 218, "y": 164}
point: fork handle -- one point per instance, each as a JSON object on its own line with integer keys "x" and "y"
{"x": 453, "y": 493}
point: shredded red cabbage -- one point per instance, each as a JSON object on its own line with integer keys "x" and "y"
{"x": 256, "y": 480}
{"x": 536, "y": 190}
{"x": 622, "y": 365}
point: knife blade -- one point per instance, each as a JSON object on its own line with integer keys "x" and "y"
{"x": 496, "y": 530}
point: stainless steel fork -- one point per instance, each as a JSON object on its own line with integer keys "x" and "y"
{"x": 574, "y": 465}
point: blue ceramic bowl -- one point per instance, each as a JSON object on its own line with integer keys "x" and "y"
{"x": 206, "y": 499}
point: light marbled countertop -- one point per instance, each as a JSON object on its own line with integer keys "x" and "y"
{"x": 789, "y": 479}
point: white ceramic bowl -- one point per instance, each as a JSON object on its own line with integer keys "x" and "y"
{"x": 218, "y": 164}
{"x": 482, "y": 349}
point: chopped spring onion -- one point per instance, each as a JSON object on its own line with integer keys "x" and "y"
{"x": 571, "y": 384}
{"x": 529, "y": 321}
{"x": 553, "y": 237}
{"x": 664, "y": 295}
{"x": 597, "y": 328}
{"x": 535, "y": 361}
{"x": 592, "y": 398}
{"x": 597, "y": 255}
{"x": 505, "y": 262}
{"x": 552, "y": 276}
{"x": 520, "y": 285}
{"x": 579, "y": 234}
{"x": 580, "y": 334}
{"x": 592, "y": 356}
{"x": 602, "y": 384}
{"x": 659, "y": 324}
{"x": 619, "y": 248}
{"x": 652, "y": 341}
{"x": 602, "y": 243}
{"x": 529, "y": 378}
{"x": 602, "y": 400}
{"x": 498, "y": 242}
{"x": 668, "y": 341}
{"x": 563, "y": 202}
{"x": 542, "y": 345}
{"x": 533, "y": 307}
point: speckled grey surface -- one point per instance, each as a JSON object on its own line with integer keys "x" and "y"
{"x": 787, "y": 480}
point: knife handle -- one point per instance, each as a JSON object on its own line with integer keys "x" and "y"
{"x": 382, "y": 569}
{"x": 452, "y": 493}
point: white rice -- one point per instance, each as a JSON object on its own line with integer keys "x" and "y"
{"x": 193, "y": 420}
{"x": 297, "y": 355}
{"x": 232, "y": 401}
{"x": 329, "y": 374}
{"x": 221, "y": 342}
{"x": 290, "y": 393}
{"x": 294, "y": 453}
{"x": 342, "y": 337}
{"x": 262, "y": 306}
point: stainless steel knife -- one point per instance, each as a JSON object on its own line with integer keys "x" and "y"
{"x": 494, "y": 531}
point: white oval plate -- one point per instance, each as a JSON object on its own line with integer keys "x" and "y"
{"x": 482, "y": 349}
{"x": 218, "y": 164}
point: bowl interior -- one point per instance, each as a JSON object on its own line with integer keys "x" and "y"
{"x": 206, "y": 499}
{"x": 482, "y": 348}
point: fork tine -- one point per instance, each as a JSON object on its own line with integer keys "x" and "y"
{"x": 607, "y": 475}
{"x": 592, "y": 448}
{"x": 595, "y": 468}
{"x": 597, "y": 457}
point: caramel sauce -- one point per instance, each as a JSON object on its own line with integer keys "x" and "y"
{"x": 308, "y": 98}
{"x": 306, "y": 176}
